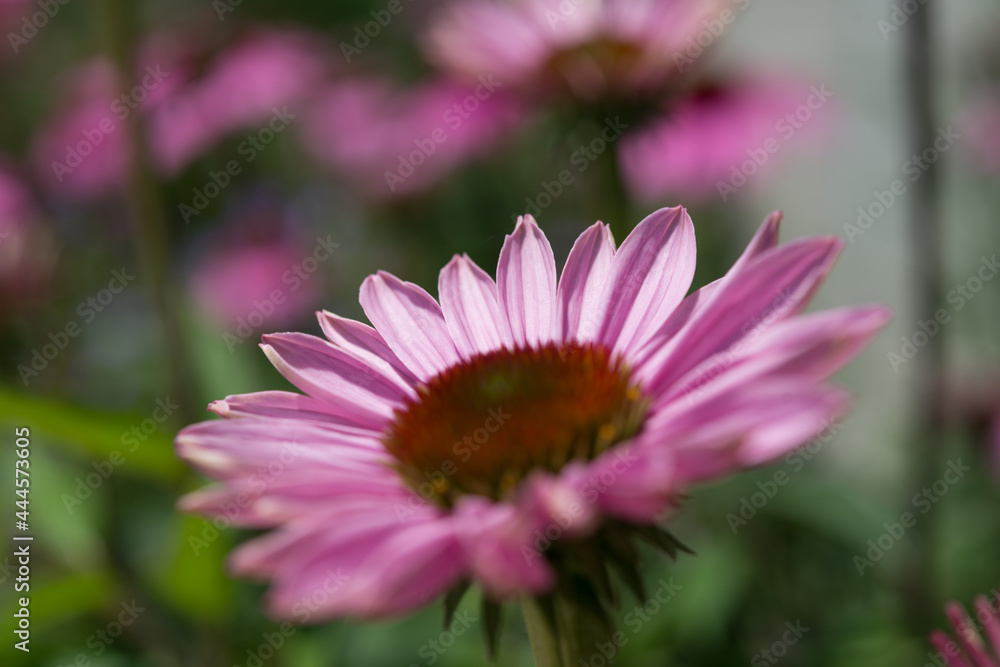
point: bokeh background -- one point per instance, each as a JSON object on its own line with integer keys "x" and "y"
{"x": 241, "y": 186}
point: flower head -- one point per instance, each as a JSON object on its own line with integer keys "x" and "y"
{"x": 495, "y": 434}
{"x": 587, "y": 48}
{"x": 711, "y": 142}
{"x": 390, "y": 142}
{"x": 971, "y": 633}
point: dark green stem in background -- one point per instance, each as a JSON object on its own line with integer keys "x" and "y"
{"x": 145, "y": 210}
{"x": 616, "y": 197}
{"x": 927, "y": 277}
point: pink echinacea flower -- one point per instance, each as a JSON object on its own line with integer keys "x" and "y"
{"x": 427, "y": 452}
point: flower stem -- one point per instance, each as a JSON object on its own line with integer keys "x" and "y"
{"x": 565, "y": 630}
{"x": 544, "y": 643}
{"x": 616, "y": 198}
{"x": 145, "y": 204}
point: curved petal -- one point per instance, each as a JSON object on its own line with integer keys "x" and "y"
{"x": 747, "y": 426}
{"x": 764, "y": 239}
{"x": 363, "y": 342}
{"x": 968, "y": 637}
{"x": 771, "y": 287}
{"x": 582, "y": 283}
{"x": 811, "y": 348}
{"x": 231, "y": 449}
{"x": 287, "y": 405}
{"x": 526, "y": 284}
{"x": 649, "y": 277}
{"x": 501, "y": 548}
{"x": 269, "y": 499}
{"x": 632, "y": 482}
{"x": 386, "y": 570}
{"x": 986, "y": 609}
{"x": 266, "y": 555}
{"x": 411, "y": 322}
{"x": 469, "y": 301}
{"x": 325, "y": 371}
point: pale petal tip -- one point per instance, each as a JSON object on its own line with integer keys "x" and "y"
{"x": 188, "y": 449}
{"x": 525, "y": 220}
{"x": 195, "y": 501}
{"x": 220, "y": 407}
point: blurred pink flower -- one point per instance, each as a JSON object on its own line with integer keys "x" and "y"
{"x": 83, "y": 150}
{"x": 713, "y": 142}
{"x": 602, "y": 396}
{"x": 980, "y": 123}
{"x": 253, "y": 273}
{"x": 27, "y": 249}
{"x": 12, "y": 13}
{"x": 971, "y": 632}
{"x": 588, "y": 48}
{"x": 266, "y": 70}
{"x": 389, "y": 142}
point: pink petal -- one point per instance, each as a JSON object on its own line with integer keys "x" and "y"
{"x": 558, "y": 500}
{"x": 764, "y": 239}
{"x": 230, "y": 449}
{"x": 501, "y": 548}
{"x": 968, "y": 637}
{"x": 469, "y": 301}
{"x": 991, "y": 629}
{"x": 649, "y": 277}
{"x": 366, "y": 344}
{"x": 411, "y": 322}
{"x": 526, "y": 284}
{"x": 284, "y": 405}
{"x": 771, "y": 287}
{"x": 582, "y": 283}
{"x": 325, "y": 371}
{"x": 748, "y": 426}
{"x": 266, "y": 555}
{"x": 943, "y": 643}
{"x": 630, "y": 482}
{"x": 388, "y": 571}
{"x": 813, "y": 348}
{"x": 269, "y": 498}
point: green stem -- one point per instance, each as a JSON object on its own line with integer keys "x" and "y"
{"x": 145, "y": 205}
{"x": 564, "y": 630}
{"x": 544, "y": 642}
{"x": 616, "y": 198}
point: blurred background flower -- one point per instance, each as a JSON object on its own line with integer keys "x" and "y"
{"x": 390, "y": 142}
{"x": 246, "y": 277}
{"x": 85, "y": 151}
{"x": 27, "y": 248}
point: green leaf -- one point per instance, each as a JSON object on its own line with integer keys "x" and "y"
{"x": 93, "y": 435}
{"x": 492, "y": 617}
{"x": 194, "y": 578}
{"x": 452, "y": 600}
